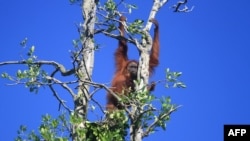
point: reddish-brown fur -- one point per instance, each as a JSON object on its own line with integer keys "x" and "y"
{"x": 123, "y": 80}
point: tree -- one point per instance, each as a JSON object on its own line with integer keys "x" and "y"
{"x": 141, "y": 119}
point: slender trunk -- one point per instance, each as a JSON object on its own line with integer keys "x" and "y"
{"x": 85, "y": 64}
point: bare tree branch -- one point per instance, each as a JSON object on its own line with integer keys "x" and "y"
{"x": 98, "y": 85}
{"x": 102, "y": 86}
{"x": 97, "y": 103}
{"x": 64, "y": 85}
{"x": 177, "y": 7}
{"x": 118, "y": 37}
{"x": 61, "y": 102}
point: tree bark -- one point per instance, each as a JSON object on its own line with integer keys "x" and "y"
{"x": 85, "y": 63}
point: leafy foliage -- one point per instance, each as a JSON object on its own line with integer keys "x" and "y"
{"x": 149, "y": 116}
{"x": 135, "y": 27}
{"x": 173, "y": 79}
{"x": 113, "y": 128}
{"x": 33, "y": 77}
{"x": 50, "y": 129}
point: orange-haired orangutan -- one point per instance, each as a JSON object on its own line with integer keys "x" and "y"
{"x": 126, "y": 70}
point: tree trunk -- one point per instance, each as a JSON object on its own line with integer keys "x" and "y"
{"x": 85, "y": 63}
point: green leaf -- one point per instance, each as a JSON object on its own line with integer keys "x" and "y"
{"x": 23, "y": 128}
{"x": 178, "y": 74}
{"x": 24, "y": 42}
{"x": 5, "y": 75}
{"x": 32, "y": 49}
{"x": 167, "y": 70}
{"x": 110, "y": 5}
{"x": 132, "y": 6}
{"x": 55, "y": 123}
{"x": 111, "y": 28}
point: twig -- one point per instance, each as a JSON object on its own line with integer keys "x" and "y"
{"x": 151, "y": 127}
{"x": 97, "y": 103}
{"x": 179, "y": 5}
{"x": 111, "y": 92}
{"x": 118, "y": 37}
{"x": 64, "y": 85}
{"x": 61, "y": 102}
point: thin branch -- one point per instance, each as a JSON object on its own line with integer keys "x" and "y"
{"x": 111, "y": 92}
{"x": 97, "y": 103}
{"x": 61, "y": 102}
{"x": 64, "y": 85}
{"x": 152, "y": 126}
{"x": 102, "y": 86}
{"x": 58, "y": 66}
{"x": 177, "y": 7}
{"x": 94, "y": 91}
{"x": 118, "y": 37}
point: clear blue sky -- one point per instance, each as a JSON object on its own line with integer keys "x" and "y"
{"x": 209, "y": 45}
